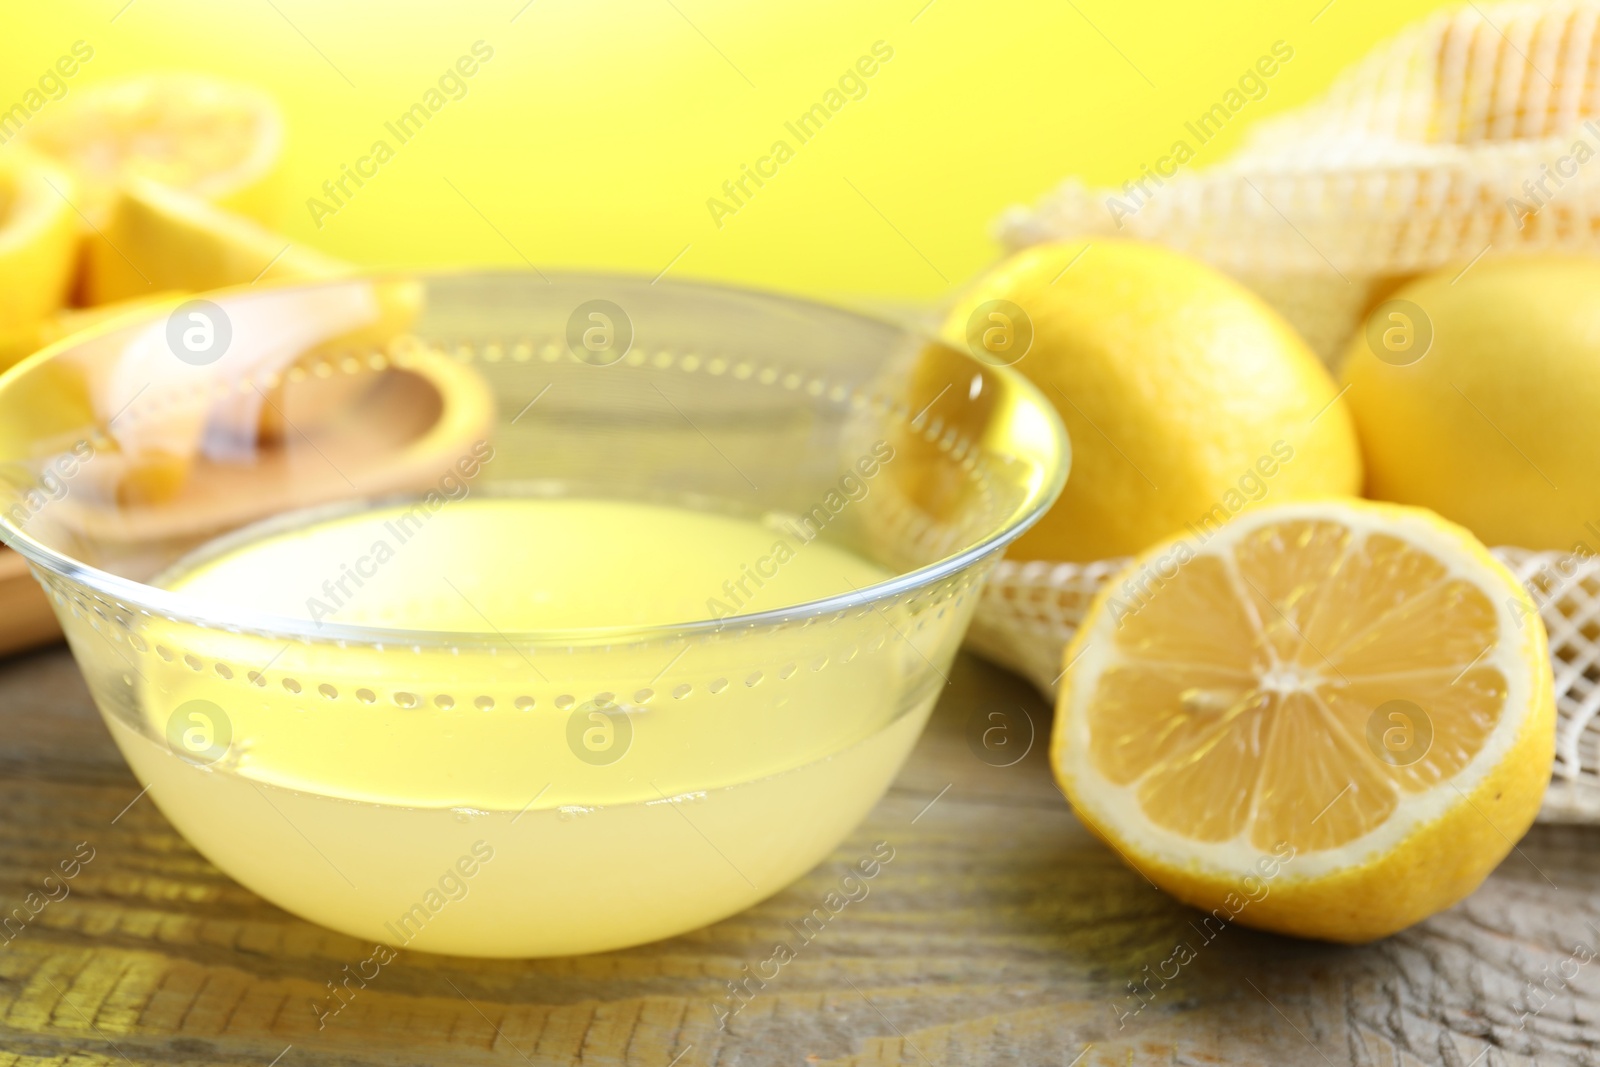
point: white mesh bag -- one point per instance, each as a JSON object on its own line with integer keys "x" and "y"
{"x": 1416, "y": 159}
{"x": 1472, "y": 133}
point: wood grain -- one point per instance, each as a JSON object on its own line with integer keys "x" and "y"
{"x": 26, "y": 618}
{"x": 1001, "y": 933}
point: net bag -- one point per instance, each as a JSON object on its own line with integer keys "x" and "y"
{"x": 1468, "y": 134}
{"x": 1472, "y": 133}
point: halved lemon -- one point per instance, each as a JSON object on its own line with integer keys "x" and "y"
{"x": 1329, "y": 719}
{"x": 157, "y": 237}
{"x": 38, "y": 239}
{"x": 214, "y": 138}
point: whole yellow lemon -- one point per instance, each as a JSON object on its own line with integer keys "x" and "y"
{"x": 1476, "y": 394}
{"x": 1187, "y": 399}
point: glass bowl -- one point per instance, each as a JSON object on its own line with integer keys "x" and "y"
{"x": 472, "y": 788}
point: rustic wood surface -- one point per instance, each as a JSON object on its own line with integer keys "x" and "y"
{"x": 1001, "y": 933}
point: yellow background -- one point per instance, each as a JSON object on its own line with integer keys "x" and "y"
{"x": 600, "y": 128}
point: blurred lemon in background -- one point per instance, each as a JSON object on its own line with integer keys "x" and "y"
{"x": 1475, "y": 395}
{"x": 160, "y": 238}
{"x": 216, "y": 139}
{"x": 38, "y": 240}
{"x": 129, "y": 191}
{"x": 1186, "y": 398}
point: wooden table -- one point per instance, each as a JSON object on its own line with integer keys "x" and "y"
{"x": 1001, "y": 933}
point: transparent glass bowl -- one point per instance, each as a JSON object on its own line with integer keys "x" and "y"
{"x": 532, "y": 793}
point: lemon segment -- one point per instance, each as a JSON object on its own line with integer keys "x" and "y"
{"x": 1186, "y": 397}
{"x": 1356, "y": 692}
{"x": 161, "y": 238}
{"x": 216, "y": 139}
{"x": 38, "y": 239}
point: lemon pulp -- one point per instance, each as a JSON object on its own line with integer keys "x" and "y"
{"x": 1349, "y": 699}
{"x": 1266, "y": 697}
{"x": 626, "y": 790}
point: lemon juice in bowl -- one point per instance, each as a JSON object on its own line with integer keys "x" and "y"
{"x": 639, "y": 656}
{"x": 702, "y": 783}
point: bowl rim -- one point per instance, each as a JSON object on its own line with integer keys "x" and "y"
{"x": 178, "y": 606}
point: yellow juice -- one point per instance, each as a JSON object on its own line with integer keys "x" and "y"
{"x": 506, "y": 796}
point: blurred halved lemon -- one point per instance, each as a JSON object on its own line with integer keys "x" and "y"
{"x": 38, "y": 239}
{"x": 216, "y": 139}
{"x": 1330, "y": 719}
{"x": 161, "y": 238}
